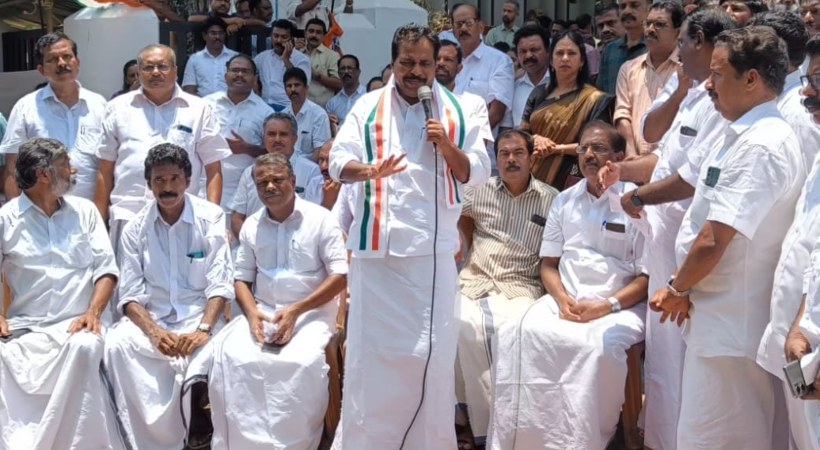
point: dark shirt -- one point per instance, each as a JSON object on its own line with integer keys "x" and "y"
{"x": 614, "y": 55}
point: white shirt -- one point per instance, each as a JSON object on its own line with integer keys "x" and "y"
{"x": 173, "y": 270}
{"x": 599, "y": 247}
{"x": 286, "y": 261}
{"x": 41, "y": 114}
{"x": 245, "y": 119}
{"x": 319, "y": 12}
{"x": 810, "y": 322}
{"x": 207, "y": 72}
{"x": 750, "y": 181}
{"x": 345, "y": 207}
{"x": 314, "y": 128}
{"x": 52, "y": 263}
{"x": 133, "y": 125}
{"x": 272, "y": 69}
{"x": 410, "y": 210}
{"x": 309, "y": 183}
{"x": 523, "y": 89}
{"x": 793, "y": 111}
{"x": 341, "y": 103}
{"x": 487, "y": 73}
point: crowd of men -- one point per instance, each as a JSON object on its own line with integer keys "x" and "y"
{"x": 506, "y": 226}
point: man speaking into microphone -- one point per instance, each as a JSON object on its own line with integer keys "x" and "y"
{"x": 409, "y": 171}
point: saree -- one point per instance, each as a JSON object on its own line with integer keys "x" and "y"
{"x": 561, "y": 119}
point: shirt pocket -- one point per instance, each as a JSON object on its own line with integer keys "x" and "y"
{"x": 78, "y": 254}
{"x": 480, "y": 88}
{"x": 88, "y": 140}
{"x": 614, "y": 244}
{"x": 198, "y": 273}
{"x": 182, "y": 137}
{"x": 303, "y": 258}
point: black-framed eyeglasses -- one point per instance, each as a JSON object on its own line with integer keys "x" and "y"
{"x": 464, "y": 23}
{"x": 596, "y": 148}
{"x": 656, "y": 24}
{"x": 813, "y": 80}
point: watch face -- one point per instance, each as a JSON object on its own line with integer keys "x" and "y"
{"x": 636, "y": 201}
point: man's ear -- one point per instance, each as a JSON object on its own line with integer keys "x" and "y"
{"x": 619, "y": 156}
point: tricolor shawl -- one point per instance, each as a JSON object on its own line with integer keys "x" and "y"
{"x": 371, "y": 236}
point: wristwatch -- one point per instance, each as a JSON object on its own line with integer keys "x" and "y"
{"x": 636, "y": 201}
{"x": 674, "y": 291}
{"x": 205, "y": 328}
{"x": 616, "y": 304}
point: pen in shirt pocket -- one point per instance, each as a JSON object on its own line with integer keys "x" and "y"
{"x": 196, "y": 255}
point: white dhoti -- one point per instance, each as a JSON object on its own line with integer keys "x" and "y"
{"x": 728, "y": 403}
{"x": 560, "y": 384}
{"x": 270, "y": 399}
{"x": 148, "y": 386}
{"x": 393, "y": 378}
{"x": 51, "y": 393}
{"x": 479, "y": 321}
{"x": 812, "y": 419}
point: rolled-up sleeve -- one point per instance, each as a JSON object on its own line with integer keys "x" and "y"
{"x": 623, "y": 100}
{"x": 220, "y": 263}
{"x": 16, "y": 133}
{"x": 502, "y": 83}
{"x": 240, "y": 200}
{"x": 347, "y": 146}
{"x": 109, "y": 143}
{"x": 552, "y": 241}
{"x": 758, "y": 178}
{"x": 211, "y": 146}
{"x": 479, "y": 134}
{"x": 105, "y": 263}
{"x": 131, "y": 286}
{"x": 332, "y": 247}
{"x": 245, "y": 265}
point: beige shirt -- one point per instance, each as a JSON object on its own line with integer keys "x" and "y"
{"x": 324, "y": 61}
{"x": 506, "y": 239}
{"x": 639, "y": 83}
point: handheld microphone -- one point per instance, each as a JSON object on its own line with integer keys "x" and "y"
{"x": 426, "y": 96}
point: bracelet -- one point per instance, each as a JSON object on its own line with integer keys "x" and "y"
{"x": 674, "y": 291}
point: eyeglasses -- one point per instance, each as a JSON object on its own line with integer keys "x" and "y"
{"x": 657, "y": 25}
{"x": 464, "y": 23}
{"x": 596, "y": 148}
{"x": 163, "y": 68}
{"x": 240, "y": 71}
{"x": 813, "y": 80}
{"x": 67, "y": 58}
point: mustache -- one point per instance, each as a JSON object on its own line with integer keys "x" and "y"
{"x": 810, "y": 102}
{"x": 513, "y": 167}
{"x": 627, "y": 17}
{"x": 530, "y": 60}
{"x": 63, "y": 71}
{"x": 414, "y": 78}
{"x": 168, "y": 195}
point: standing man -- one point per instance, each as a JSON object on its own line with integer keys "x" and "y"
{"x": 403, "y": 274}
{"x": 177, "y": 274}
{"x": 314, "y": 125}
{"x": 631, "y": 45}
{"x": 810, "y": 10}
{"x": 532, "y": 46}
{"x": 273, "y": 63}
{"x": 341, "y": 103}
{"x": 160, "y": 111}
{"x": 742, "y": 11}
{"x": 59, "y": 265}
{"x": 640, "y": 80}
{"x": 205, "y": 70}
{"x": 507, "y": 29}
{"x": 500, "y": 277}
{"x": 448, "y": 64}
{"x": 727, "y": 252}
{"x": 486, "y": 72}
{"x": 608, "y": 23}
{"x": 269, "y": 390}
{"x": 324, "y": 78}
{"x": 63, "y": 110}
{"x": 240, "y": 113}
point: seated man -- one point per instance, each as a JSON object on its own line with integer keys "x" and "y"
{"x": 268, "y": 386}
{"x": 279, "y": 136}
{"x": 330, "y": 187}
{"x": 500, "y": 278}
{"x": 559, "y": 384}
{"x": 177, "y": 275}
{"x": 59, "y": 264}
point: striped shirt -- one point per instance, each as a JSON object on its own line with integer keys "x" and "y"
{"x": 506, "y": 240}
{"x": 639, "y": 83}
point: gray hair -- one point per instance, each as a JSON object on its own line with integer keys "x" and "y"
{"x": 273, "y": 159}
{"x": 148, "y": 48}
{"x": 36, "y": 154}
{"x": 284, "y": 117}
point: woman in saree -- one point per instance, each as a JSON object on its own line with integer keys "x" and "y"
{"x": 555, "y": 113}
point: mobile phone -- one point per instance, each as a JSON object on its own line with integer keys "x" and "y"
{"x": 14, "y": 334}
{"x": 795, "y": 379}
{"x": 299, "y": 34}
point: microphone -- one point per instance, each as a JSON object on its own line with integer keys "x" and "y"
{"x": 425, "y": 94}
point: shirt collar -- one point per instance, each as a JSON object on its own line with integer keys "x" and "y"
{"x": 531, "y": 186}
{"x": 761, "y": 111}
{"x": 792, "y": 81}
{"x": 621, "y": 42}
{"x": 359, "y": 91}
{"x": 221, "y": 54}
{"x": 25, "y": 204}
{"x": 47, "y": 92}
{"x": 525, "y": 79}
{"x": 479, "y": 51}
{"x": 673, "y": 58}
{"x": 187, "y": 212}
{"x": 178, "y": 94}
{"x": 294, "y": 217}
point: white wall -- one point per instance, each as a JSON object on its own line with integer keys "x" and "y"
{"x": 14, "y": 85}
